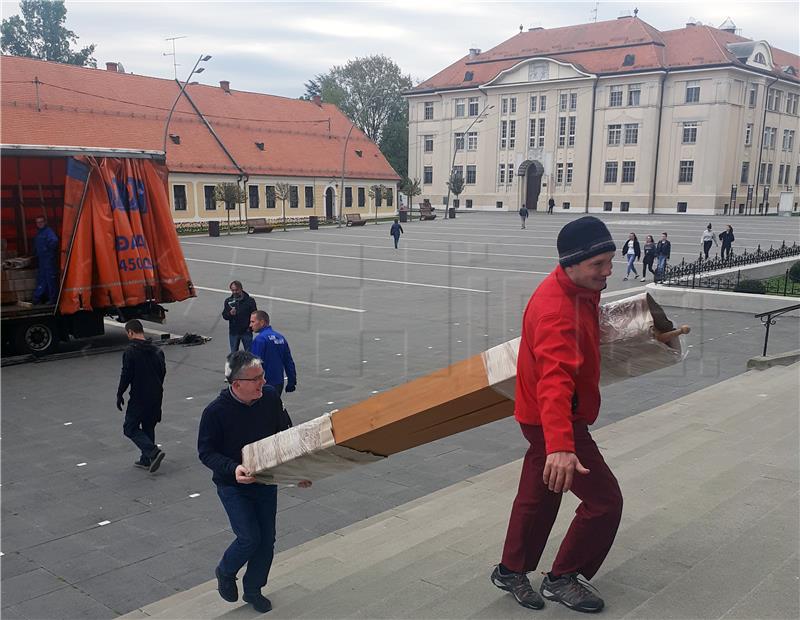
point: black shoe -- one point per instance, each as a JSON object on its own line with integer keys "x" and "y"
{"x": 519, "y": 586}
{"x": 260, "y": 603}
{"x": 142, "y": 464}
{"x": 573, "y": 592}
{"x": 155, "y": 460}
{"x": 226, "y": 586}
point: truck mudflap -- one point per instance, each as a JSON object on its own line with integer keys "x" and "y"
{"x": 124, "y": 250}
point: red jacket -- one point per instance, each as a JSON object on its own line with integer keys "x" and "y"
{"x": 558, "y": 368}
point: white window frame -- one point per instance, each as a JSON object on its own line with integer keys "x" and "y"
{"x": 689, "y": 132}
{"x": 634, "y": 93}
{"x": 542, "y": 126}
{"x": 460, "y": 108}
{"x": 427, "y": 113}
{"x": 559, "y": 173}
{"x": 571, "y": 131}
{"x": 614, "y": 134}
{"x": 472, "y": 141}
{"x": 501, "y": 174}
{"x": 628, "y": 172}
{"x": 569, "y": 174}
{"x": 686, "y": 171}
{"x": 512, "y": 133}
{"x": 748, "y": 134}
{"x": 611, "y": 172}
{"x": 692, "y": 92}
{"x": 631, "y": 133}
{"x": 473, "y": 106}
{"x": 427, "y": 143}
{"x": 615, "y": 96}
{"x": 472, "y": 172}
{"x": 459, "y": 140}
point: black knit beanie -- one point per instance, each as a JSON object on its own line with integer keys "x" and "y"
{"x": 583, "y": 238}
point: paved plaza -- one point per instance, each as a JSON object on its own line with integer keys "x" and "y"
{"x": 84, "y": 534}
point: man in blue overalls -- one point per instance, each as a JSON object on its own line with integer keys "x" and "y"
{"x": 45, "y": 245}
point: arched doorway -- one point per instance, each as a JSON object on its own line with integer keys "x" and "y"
{"x": 329, "y": 203}
{"x": 532, "y": 172}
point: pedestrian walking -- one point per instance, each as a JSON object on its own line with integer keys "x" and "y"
{"x": 395, "y": 231}
{"x": 663, "y": 249}
{"x": 244, "y": 412}
{"x": 649, "y": 257}
{"x": 550, "y": 206}
{"x": 523, "y": 215}
{"x": 143, "y": 370}
{"x": 272, "y": 349}
{"x": 237, "y": 310}
{"x": 707, "y": 239}
{"x": 45, "y": 247}
{"x": 726, "y": 238}
{"x": 631, "y": 251}
{"x": 557, "y": 398}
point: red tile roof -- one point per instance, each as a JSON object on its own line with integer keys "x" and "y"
{"x": 600, "y": 48}
{"x": 79, "y": 106}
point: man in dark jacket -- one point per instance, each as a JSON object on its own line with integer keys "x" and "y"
{"x": 557, "y": 398}
{"x": 45, "y": 246}
{"x": 663, "y": 249}
{"x": 237, "y": 310}
{"x": 143, "y": 369}
{"x": 243, "y": 413}
{"x": 273, "y": 351}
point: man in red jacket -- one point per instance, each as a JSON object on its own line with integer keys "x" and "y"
{"x": 557, "y": 398}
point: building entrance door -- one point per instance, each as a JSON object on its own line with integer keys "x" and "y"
{"x": 532, "y": 171}
{"x": 329, "y": 203}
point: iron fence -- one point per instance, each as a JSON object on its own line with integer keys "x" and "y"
{"x": 699, "y": 273}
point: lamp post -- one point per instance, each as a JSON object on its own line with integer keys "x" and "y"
{"x": 374, "y": 94}
{"x": 478, "y": 119}
{"x": 195, "y": 69}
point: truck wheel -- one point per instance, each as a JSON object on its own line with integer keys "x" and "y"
{"x": 37, "y": 337}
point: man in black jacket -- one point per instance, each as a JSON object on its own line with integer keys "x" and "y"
{"x": 244, "y": 412}
{"x": 663, "y": 250}
{"x": 237, "y": 310}
{"x": 143, "y": 369}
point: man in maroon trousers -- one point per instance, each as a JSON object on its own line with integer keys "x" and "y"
{"x": 557, "y": 398}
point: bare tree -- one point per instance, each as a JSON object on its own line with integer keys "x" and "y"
{"x": 282, "y": 192}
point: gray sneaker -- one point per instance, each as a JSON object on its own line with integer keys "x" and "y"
{"x": 573, "y": 592}
{"x": 520, "y": 588}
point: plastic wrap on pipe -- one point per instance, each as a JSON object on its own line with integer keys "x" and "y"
{"x": 304, "y": 452}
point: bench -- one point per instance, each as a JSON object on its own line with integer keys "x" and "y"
{"x": 258, "y": 225}
{"x": 426, "y": 212}
{"x": 354, "y": 219}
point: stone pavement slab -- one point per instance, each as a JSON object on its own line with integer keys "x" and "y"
{"x": 709, "y": 530}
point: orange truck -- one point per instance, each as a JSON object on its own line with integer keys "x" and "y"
{"x": 111, "y": 248}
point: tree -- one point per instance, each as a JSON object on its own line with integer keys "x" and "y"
{"x": 456, "y": 184}
{"x": 282, "y": 192}
{"x": 368, "y": 90}
{"x": 230, "y": 194}
{"x": 410, "y": 189}
{"x": 40, "y": 33}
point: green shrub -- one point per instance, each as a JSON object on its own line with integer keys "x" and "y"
{"x": 750, "y": 286}
{"x": 794, "y": 272}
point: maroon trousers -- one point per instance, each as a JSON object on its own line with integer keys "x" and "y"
{"x": 592, "y": 532}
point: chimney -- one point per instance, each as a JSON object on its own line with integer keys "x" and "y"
{"x": 474, "y": 52}
{"x": 225, "y": 85}
{"x": 112, "y": 66}
{"x": 317, "y": 100}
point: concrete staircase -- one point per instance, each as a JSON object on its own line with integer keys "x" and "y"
{"x": 710, "y": 528}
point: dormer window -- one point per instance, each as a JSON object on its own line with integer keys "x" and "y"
{"x": 759, "y": 58}
{"x": 790, "y": 70}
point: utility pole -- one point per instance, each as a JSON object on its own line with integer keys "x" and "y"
{"x": 173, "y": 54}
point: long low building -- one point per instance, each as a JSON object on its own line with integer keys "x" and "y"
{"x": 215, "y": 135}
{"x": 613, "y": 116}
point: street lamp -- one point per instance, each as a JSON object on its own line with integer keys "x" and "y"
{"x": 374, "y": 94}
{"x": 194, "y": 70}
{"x": 478, "y": 119}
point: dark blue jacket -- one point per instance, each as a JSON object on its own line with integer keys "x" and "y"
{"x": 239, "y": 323}
{"x": 396, "y": 230}
{"x": 228, "y": 425}
{"x": 276, "y": 357}
{"x": 143, "y": 369}
{"x": 45, "y": 244}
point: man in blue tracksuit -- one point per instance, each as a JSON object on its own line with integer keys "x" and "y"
{"x": 273, "y": 351}
{"x": 45, "y": 245}
{"x": 395, "y": 231}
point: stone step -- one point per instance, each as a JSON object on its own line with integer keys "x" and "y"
{"x": 709, "y": 527}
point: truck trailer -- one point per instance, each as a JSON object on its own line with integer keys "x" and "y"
{"x": 117, "y": 252}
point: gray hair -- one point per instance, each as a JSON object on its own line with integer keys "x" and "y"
{"x": 239, "y": 361}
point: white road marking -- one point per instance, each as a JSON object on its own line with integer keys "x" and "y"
{"x": 80, "y": 464}
{"x": 102, "y": 523}
{"x": 194, "y": 495}
{"x": 283, "y": 299}
{"x": 365, "y": 258}
{"x": 327, "y": 275}
{"x": 67, "y": 423}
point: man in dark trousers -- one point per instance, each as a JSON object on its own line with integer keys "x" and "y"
{"x": 557, "y": 398}
{"x": 550, "y": 206}
{"x": 45, "y": 246}
{"x": 663, "y": 249}
{"x": 143, "y": 369}
{"x": 272, "y": 349}
{"x": 237, "y": 310}
{"x": 395, "y": 231}
{"x": 244, "y": 412}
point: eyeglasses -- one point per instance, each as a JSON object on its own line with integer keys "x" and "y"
{"x": 258, "y": 378}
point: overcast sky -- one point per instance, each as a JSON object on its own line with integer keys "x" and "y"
{"x": 275, "y": 47}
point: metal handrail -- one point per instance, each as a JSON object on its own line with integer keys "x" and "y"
{"x": 768, "y": 318}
